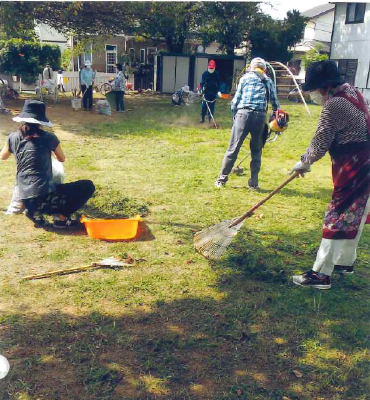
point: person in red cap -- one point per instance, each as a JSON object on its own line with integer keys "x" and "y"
{"x": 209, "y": 85}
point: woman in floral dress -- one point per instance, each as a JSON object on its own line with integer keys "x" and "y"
{"x": 343, "y": 131}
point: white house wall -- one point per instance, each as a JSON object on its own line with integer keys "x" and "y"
{"x": 320, "y": 28}
{"x": 48, "y": 35}
{"x": 182, "y": 72}
{"x": 201, "y": 65}
{"x": 168, "y": 74}
{"x": 352, "y": 41}
{"x": 238, "y": 67}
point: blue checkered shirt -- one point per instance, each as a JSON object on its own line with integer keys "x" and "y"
{"x": 251, "y": 93}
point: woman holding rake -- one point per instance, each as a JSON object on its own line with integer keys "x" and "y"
{"x": 344, "y": 132}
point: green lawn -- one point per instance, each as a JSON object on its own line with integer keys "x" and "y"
{"x": 174, "y": 326}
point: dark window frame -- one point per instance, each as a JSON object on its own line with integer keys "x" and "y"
{"x": 357, "y": 19}
{"x": 345, "y": 72}
{"x": 142, "y": 56}
{"x": 367, "y": 78}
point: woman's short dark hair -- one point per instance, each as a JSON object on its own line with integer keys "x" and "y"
{"x": 119, "y": 66}
{"x": 28, "y": 129}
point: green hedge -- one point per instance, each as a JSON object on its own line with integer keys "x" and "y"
{"x": 27, "y": 58}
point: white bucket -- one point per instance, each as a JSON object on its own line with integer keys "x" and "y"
{"x": 76, "y": 104}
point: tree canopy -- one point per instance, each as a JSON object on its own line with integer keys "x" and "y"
{"x": 231, "y": 24}
{"x": 171, "y": 21}
{"x": 271, "y": 39}
{"x": 12, "y": 25}
{"x": 80, "y": 18}
{"x": 228, "y": 23}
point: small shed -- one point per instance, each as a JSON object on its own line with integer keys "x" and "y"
{"x": 174, "y": 70}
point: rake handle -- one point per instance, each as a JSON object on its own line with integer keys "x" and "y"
{"x": 251, "y": 211}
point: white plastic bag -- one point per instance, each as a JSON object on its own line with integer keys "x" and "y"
{"x": 58, "y": 171}
{"x": 16, "y": 205}
{"x": 103, "y": 107}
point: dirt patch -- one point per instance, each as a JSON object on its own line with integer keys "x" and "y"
{"x": 59, "y": 114}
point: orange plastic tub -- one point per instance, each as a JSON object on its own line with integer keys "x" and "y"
{"x": 112, "y": 229}
{"x": 225, "y": 96}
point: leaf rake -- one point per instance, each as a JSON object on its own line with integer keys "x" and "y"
{"x": 213, "y": 241}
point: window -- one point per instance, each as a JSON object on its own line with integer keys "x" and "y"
{"x": 131, "y": 53}
{"x": 347, "y": 70}
{"x": 111, "y": 57}
{"x": 355, "y": 13}
{"x": 88, "y": 53}
{"x": 142, "y": 56}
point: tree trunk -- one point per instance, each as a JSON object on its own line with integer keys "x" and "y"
{"x": 230, "y": 50}
{"x": 175, "y": 47}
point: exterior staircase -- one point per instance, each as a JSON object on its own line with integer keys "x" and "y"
{"x": 284, "y": 81}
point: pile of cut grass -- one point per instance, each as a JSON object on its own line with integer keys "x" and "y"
{"x": 109, "y": 204}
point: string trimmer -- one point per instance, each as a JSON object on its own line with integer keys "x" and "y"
{"x": 209, "y": 111}
{"x": 238, "y": 170}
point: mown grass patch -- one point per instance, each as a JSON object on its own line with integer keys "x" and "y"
{"x": 173, "y": 325}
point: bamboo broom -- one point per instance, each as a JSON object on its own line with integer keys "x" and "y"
{"x": 212, "y": 242}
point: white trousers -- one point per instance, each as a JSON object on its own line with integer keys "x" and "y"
{"x": 339, "y": 252}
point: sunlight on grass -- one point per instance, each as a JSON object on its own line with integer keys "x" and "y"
{"x": 174, "y": 325}
{"x": 155, "y": 386}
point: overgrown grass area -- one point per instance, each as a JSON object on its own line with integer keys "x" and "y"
{"x": 175, "y": 326}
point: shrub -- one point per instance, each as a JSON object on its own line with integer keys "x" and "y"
{"x": 313, "y": 55}
{"x": 27, "y": 58}
{"x": 65, "y": 60}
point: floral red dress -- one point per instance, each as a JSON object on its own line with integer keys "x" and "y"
{"x": 351, "y": 180}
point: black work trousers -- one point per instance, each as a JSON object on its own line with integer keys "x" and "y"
{"x": 87, "y": 98}
{"x": 120, "y": 106}
{"x": 65, "y": 200}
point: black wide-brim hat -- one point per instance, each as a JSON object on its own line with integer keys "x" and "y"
{"x": 33, "y": 112}
{"x": 322, "y": 74}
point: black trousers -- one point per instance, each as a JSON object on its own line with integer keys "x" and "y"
{"x": 67, "y": 199}
{"x": 87, "y": 98}
{"x": 119, "y": 100}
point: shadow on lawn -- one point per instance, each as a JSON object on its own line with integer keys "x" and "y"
{"x": 238, "y": 348}
{"x": 245, "y": 345}
{"x": 242, "y": 183}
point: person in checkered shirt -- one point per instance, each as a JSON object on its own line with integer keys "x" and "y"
{"x": 249, "y": 107}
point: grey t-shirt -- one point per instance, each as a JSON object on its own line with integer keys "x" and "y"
{"x": 33, "y": 155}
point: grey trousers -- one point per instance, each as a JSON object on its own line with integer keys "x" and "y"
{"x": 245, "y": 121}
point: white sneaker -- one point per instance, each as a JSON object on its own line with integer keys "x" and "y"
{"x": 219, "y": 184}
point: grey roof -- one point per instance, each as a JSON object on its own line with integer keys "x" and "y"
{"x": 316, "y": 11}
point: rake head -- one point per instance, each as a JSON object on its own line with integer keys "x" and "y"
{"x": 212, "y": 242}
{"x": 238, "y": 170}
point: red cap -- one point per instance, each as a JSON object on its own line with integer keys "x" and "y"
{"x": 212, "y": 64}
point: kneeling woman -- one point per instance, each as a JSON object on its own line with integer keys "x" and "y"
{"x": 33, "y": 149}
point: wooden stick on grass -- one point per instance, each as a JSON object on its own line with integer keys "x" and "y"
{"x": 96, "y": 265}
